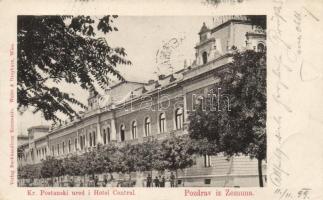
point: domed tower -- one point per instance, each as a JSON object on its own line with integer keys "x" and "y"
{"x": 228, "y": 34}
{"x": 204, "y": 47}
{"x": 93, "y": 100}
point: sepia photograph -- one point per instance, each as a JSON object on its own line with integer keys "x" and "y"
{"x": 141, "y": 101}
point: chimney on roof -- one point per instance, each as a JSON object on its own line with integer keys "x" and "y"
{"x": 161, "y": 77}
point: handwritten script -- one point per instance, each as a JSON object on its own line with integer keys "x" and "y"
{"x": 288, "y": 63}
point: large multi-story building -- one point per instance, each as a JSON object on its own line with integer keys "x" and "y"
{"x": 132, "y": 112}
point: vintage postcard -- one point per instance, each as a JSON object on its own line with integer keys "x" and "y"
{"x": 209, "y": 99}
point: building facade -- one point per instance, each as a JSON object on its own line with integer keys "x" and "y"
{"x": 132, "y": 112}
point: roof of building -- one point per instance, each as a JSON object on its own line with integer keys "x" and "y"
{"x": 20, "y": 136}
{"x": 163, "y": 82}
{"x": 124, "y": 82}
{"x": 39, "y": 127}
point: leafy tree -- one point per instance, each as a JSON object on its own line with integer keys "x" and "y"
{"x": 27, "y": 172}
{"x": 91, "y": 163}
{"x": 56, "y": 49}
{"x": 173, "y": 154}
{"x": 129, "y": 157}
{"x": 52, "y": 167}
{"x": 246, "y": 82}
{"x": 147, "y": 152}
{"x": 108, "y": 153}
{"x": 71, "y": 164}
{"x": 203, "y": 147}
{"x": 241, "y": 128}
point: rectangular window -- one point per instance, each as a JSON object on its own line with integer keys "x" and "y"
{"x": 207, "y": 181}
{"x": 207, "y": 160}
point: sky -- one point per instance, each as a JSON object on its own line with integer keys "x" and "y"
{"x": 142, "y": 37}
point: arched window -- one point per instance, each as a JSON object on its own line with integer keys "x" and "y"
{"x": 57, "y": 149}
{"x": 204, "y": 57}
{"x": 260, "y": 47}
{"x": 162, "y": 123}
{"x": 75, "y": 144}
{"x": 94, "y": 139}
{"x": 69, "y": 146}
{"x": 104, "y": 137}
{"x": 90, "y": 135}
{"x": 63, "y": 146}
{"x": 179, "y": 118}
{"x": 122, "y": 133}
{"x": 134, "y": 129}
{"x": 82, "y": 141}
{"x": 147, "y": 126}
{"x": 108, "y": 134}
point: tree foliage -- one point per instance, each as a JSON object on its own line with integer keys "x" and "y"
{"x": 57, "y": 49}
{"x": 170, "y": 154}
{"x": 52, "y": 167}
{"x": 91, "y": 162}
{"x": 71, "y": 165}
{"x": 29, "y": 171}
{"x": 173, "y": 154}
{"x": 147, "y": 155}
{"x": 241, "y": 127}
{"x": 109, "y": 155}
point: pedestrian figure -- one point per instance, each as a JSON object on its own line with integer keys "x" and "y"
{"x": 71, "y": 183}
{"x": 167, "y": 183}
{"x": 105, "y": 181}
{"x": 149, "y": 180}
{"x": 172, "y": 180}
{"x": 96, "y": 180}
{"x": 156, "y": 181}
{"x": 55, "y": 182}
{"x": 162, "y": 182}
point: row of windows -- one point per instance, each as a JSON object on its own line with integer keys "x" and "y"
{"x": 67, "y": 148}
{"x": 41, "y": 152}
{"x": 92, "y": 142}
{"x": 179, "y": 118}
{"x": 64, "y": 150}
